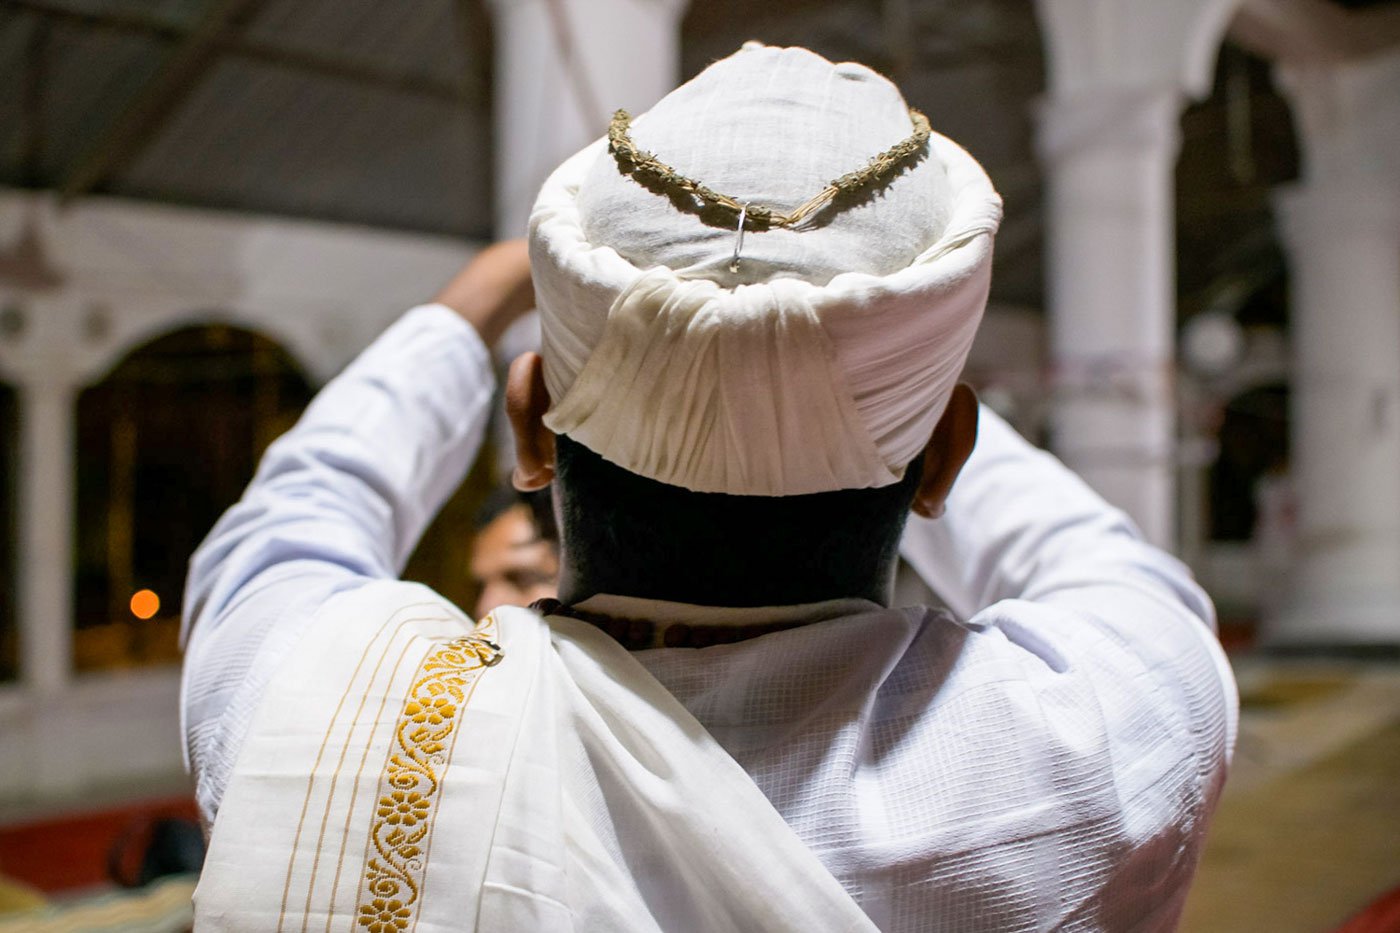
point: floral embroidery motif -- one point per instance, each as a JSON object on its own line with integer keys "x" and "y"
{"x": 432, "y": 712}
{"x": 404, "y": 807}
{"x": 408, "y": 786}
{"x": 382, "y": 916}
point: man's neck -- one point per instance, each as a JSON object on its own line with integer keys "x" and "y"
{"x": 769, "y": 587}
{"x": 625, "y": 535}
{"x": 641, "y": 624}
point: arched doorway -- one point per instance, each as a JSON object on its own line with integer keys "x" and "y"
{"x": 166, "y": 442}
{"x": 9, "y": 449}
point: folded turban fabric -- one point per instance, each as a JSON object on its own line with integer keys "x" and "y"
{"x": 826, "y": 359}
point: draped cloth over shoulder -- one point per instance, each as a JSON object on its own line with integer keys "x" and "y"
{"x": 826, "y": 359}
{"x": 408, "y": 771}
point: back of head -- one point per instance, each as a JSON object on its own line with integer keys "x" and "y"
{"x": 818, "y": 363}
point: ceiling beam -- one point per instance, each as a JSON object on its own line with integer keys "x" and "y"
{"x": 300, "y": 60}
{"x": 148, "y": 110}
{"x": 474, "y": 25}
{"x": 333, "y": 67}
{"x": 115, "y": 20}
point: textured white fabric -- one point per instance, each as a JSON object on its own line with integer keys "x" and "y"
{"x": 825, "y": 362}
{"x": 1050, "y": 757}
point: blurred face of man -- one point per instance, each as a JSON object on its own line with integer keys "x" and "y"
{"x": 511, "y": 563}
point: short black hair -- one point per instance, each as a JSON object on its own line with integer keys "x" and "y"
{"x": 634, "y": 536}
{"x": 505, "y": 497}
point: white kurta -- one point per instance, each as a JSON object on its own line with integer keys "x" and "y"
{"x": 1046, "y": 757}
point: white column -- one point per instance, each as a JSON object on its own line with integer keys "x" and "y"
{"x": 44, "y": 566}
{"x": 562, "y": 68}
{"x": 1120, "y": 72}
{"x": 1111, "y": 290}
{"x": 1341, "y": 228}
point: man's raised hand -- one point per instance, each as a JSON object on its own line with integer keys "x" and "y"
{"x": 492, "y": 290}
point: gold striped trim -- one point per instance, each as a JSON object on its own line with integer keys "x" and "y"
{"x": 401, "y": 824}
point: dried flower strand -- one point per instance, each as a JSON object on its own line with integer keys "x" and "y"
{"x": 648, "y": 169}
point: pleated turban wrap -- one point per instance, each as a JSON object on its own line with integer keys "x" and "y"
{"x": 825, "y": 361}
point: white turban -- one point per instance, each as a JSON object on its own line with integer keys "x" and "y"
{"x": 827, "y": 359}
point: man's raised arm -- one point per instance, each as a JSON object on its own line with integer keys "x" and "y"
{"x": 341, "y": 499}
{"x": 1028, "y": 548}
{"x": 1020, "y": 525}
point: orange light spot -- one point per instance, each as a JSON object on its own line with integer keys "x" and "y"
{"x": 144, "y": 604}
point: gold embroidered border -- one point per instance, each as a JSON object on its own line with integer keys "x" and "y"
{"x": 408, "y": 787}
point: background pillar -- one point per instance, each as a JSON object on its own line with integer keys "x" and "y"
{"x": 1341, "y": 228}
{"x": 44, "y": 566}
{"x": 562, "y": 68}
{"x": 1120, "y": 73}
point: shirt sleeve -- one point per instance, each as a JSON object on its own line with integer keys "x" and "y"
{"x": 337, "y": 502}
{"x": 1028, "y": 548}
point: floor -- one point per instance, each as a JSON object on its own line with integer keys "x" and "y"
{"x": 1307, "y": 834}
{"x": 78, "y": 848}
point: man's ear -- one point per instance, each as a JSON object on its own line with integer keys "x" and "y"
{"x": 946, "y": 452}
{"x": 527, "y": 400}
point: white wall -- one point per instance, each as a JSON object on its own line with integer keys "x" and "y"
{"x": 127, "y": 272}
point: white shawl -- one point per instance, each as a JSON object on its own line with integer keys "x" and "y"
{"x": 398, "y": 777}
